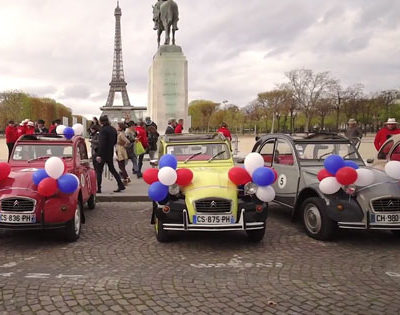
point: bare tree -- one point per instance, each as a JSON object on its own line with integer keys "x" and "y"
{"x": 308, "y": 88}
{"x": 275, "y": 102}
{"x": 387, "y": 99}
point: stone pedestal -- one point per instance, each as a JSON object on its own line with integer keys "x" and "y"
{"x": 119, "y": 113}
{"x": 168, "y": 87}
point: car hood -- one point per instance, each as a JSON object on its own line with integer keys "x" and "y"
{"x": 19, "y": 178}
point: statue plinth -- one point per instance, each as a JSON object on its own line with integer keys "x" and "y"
{"x": 168, "y": 87}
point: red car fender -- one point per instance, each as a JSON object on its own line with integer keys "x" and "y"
{"x": 93, "y": 181}
{"x": 60, "y": 208}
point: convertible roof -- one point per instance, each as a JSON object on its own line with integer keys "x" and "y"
{"x": 43, "y": 137}
{"x": 187, "y": 137}
{"x": 310, "y": 137}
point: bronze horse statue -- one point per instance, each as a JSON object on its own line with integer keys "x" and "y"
{"x": 165, "y": 17}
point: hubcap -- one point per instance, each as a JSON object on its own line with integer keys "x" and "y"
{"x": 77, "y": 220}
{"x": 312, "y": 218}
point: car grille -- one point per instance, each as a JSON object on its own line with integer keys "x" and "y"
{"x": 17, "y": 204}
{"x": 386, "y": 205}
{"x": 213, "y": 205}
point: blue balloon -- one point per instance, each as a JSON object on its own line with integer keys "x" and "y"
{"x": 351, "y": 164}
{"x": 263, "y": 176}
{"x": 333, "y": 163}
{"x": 39, "y": 175}
{"x": 69, "y": 132}
{"x": 158, "y": 191}
{"x": 168, "y": 160}
{"x": 67, "y": 184}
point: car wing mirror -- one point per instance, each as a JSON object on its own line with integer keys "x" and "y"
{"x": 154, "y": 163}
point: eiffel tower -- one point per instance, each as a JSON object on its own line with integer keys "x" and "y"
{"x": 118, "y": 84}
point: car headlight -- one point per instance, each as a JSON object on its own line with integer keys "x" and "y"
{"x": 250, "y": 188}
{"x": 174, "y": 189}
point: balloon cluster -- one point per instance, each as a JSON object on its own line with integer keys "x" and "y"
{"x": 392, "y": 169}
{"x": 254, "y": 171}
{"x": 53, "y": 178}
{"x": 5, "y": 170}
{"x": 166, "y": 175}
{"x": 69, "y": 132}
{"x": 338, "y": 173}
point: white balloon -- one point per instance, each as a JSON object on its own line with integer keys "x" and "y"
{"x": 329, "y": 185}
{"x": 60, "y": 129}
{"x": 392, "y": 169}
{"x": 265, "y": 193}
{"x": 78, "y": 129}
{"x": 54, "y": 167}
{"x": 365, "y": 177}
{"x": 253, "y": 161}
{"x": 167, "y": 176}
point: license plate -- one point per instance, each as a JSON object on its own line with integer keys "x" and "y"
{"x": 213, "y": 219}
{"x": 385, "y": 218}
{"x": 17, "y": 218}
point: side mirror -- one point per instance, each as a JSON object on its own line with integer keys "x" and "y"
{"x": 154, "y": 163}
{"x": 370, "y": 161}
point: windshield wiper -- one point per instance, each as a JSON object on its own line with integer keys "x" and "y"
{"x": 191, "y": 157}
{"x": 38, "y": 158}
{"x": 349, "y": 154}
{"x": 325, "y": 154}
{"x": 215, "y": 155}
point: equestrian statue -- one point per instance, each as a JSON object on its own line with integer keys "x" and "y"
{"x": 165, "y": 17}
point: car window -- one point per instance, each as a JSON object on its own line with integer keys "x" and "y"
{"x": 200, "y": 151}
{"x": 320, "y": 151}
{"x": 395, "y": 155}
{"x": 284, "y": 153}
{"x": 82, "y": 151}
{"x": 383, "y": 152}
{"x": 24, "y": 152}
{"x": 267, "y": 152}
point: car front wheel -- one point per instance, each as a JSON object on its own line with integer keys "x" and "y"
{"x": 316, "y": 222}
{"x": 161, "y": 234}
{"x": 396, "y": 232}
{"x": 73, "y": 227}
{"x": 256, "y": 235}
{"x": 91, "y": 203}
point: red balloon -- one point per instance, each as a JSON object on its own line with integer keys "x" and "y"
{"x": 346, "y": 175}
{"x": 239, "y": 176}
{"x": 150, "y": 175}
{"x": 323, "y": 174}
{"x": 185, "y": 176}
{"x": 47, "y": 187}
{"x": 5, "y": 170}
{"x": 275, "y": 173}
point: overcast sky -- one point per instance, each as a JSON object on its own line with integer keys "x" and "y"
{"x": 63, "y": 49}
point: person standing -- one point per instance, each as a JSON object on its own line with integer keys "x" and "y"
{"x": 122, "y": 155}
{"x": 141, "y": 136}
{"x": 11, "y": 136}
{"x": 171, "y": 127}
{"x": 94, "y": 145}
{"x": 149, "y": 123}
{"x": 225, "y": 131}
{"x": 179, "y": 126}
{"x": 152, "y": 135}
{"x": 389, "y": 129}
{"x": 53, "y": 127}
{"x": 131, "y": 135}
{"x": 41, "y": 129}
{"x": 107, "y": 141}
{"x": 353, "y": 132}
{"x": 30, "y": 128}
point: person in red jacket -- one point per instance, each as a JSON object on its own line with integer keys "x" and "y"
{"x": 11, "y": 136}
{"x": 179, "y": 126}
{"x": 21, "y": 129}
{"x": 30, "y": 128}
{"x": 386, "y": 132}
{"x": 141, "y": 135}
{"x": 225, "y": 131}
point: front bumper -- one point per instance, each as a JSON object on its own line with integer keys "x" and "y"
{"x": 31, "y": 226}
{"x": 366, "y": 224}
{"x": 242, "y": 225}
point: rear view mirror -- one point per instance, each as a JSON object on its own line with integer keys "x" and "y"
{"x": 370, "y": 161}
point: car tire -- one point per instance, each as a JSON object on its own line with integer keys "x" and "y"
{"x": 395, "y": 232}
{"x": 73, "y": 227}
{"x": 91, "y": 203}
{"x": 256, "y": 235}
{"x": 316, "y": 222}
{"x": 161, "y": 234}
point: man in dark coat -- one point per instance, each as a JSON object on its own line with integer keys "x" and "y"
{"x": 105, "y": 153}
{"x": 171, "y": 127}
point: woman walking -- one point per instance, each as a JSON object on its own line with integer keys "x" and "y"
{"x": 152, "y": 135}
{"x": 141, "y": 136}
{"x": 122, "y": 155}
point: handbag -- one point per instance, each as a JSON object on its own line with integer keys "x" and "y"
{"x": 139, "y": 149}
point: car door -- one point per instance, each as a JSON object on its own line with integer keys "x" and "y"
{"x": 383, "y": 154}
{"x": 286, "y": 165}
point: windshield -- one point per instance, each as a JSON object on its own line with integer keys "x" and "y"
{"x": 200, "y": 152}
{"x": 26, "y": 152}
{"x": 320, "y": 151}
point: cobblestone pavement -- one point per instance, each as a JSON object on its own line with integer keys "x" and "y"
{"x": 118, "y": 267}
